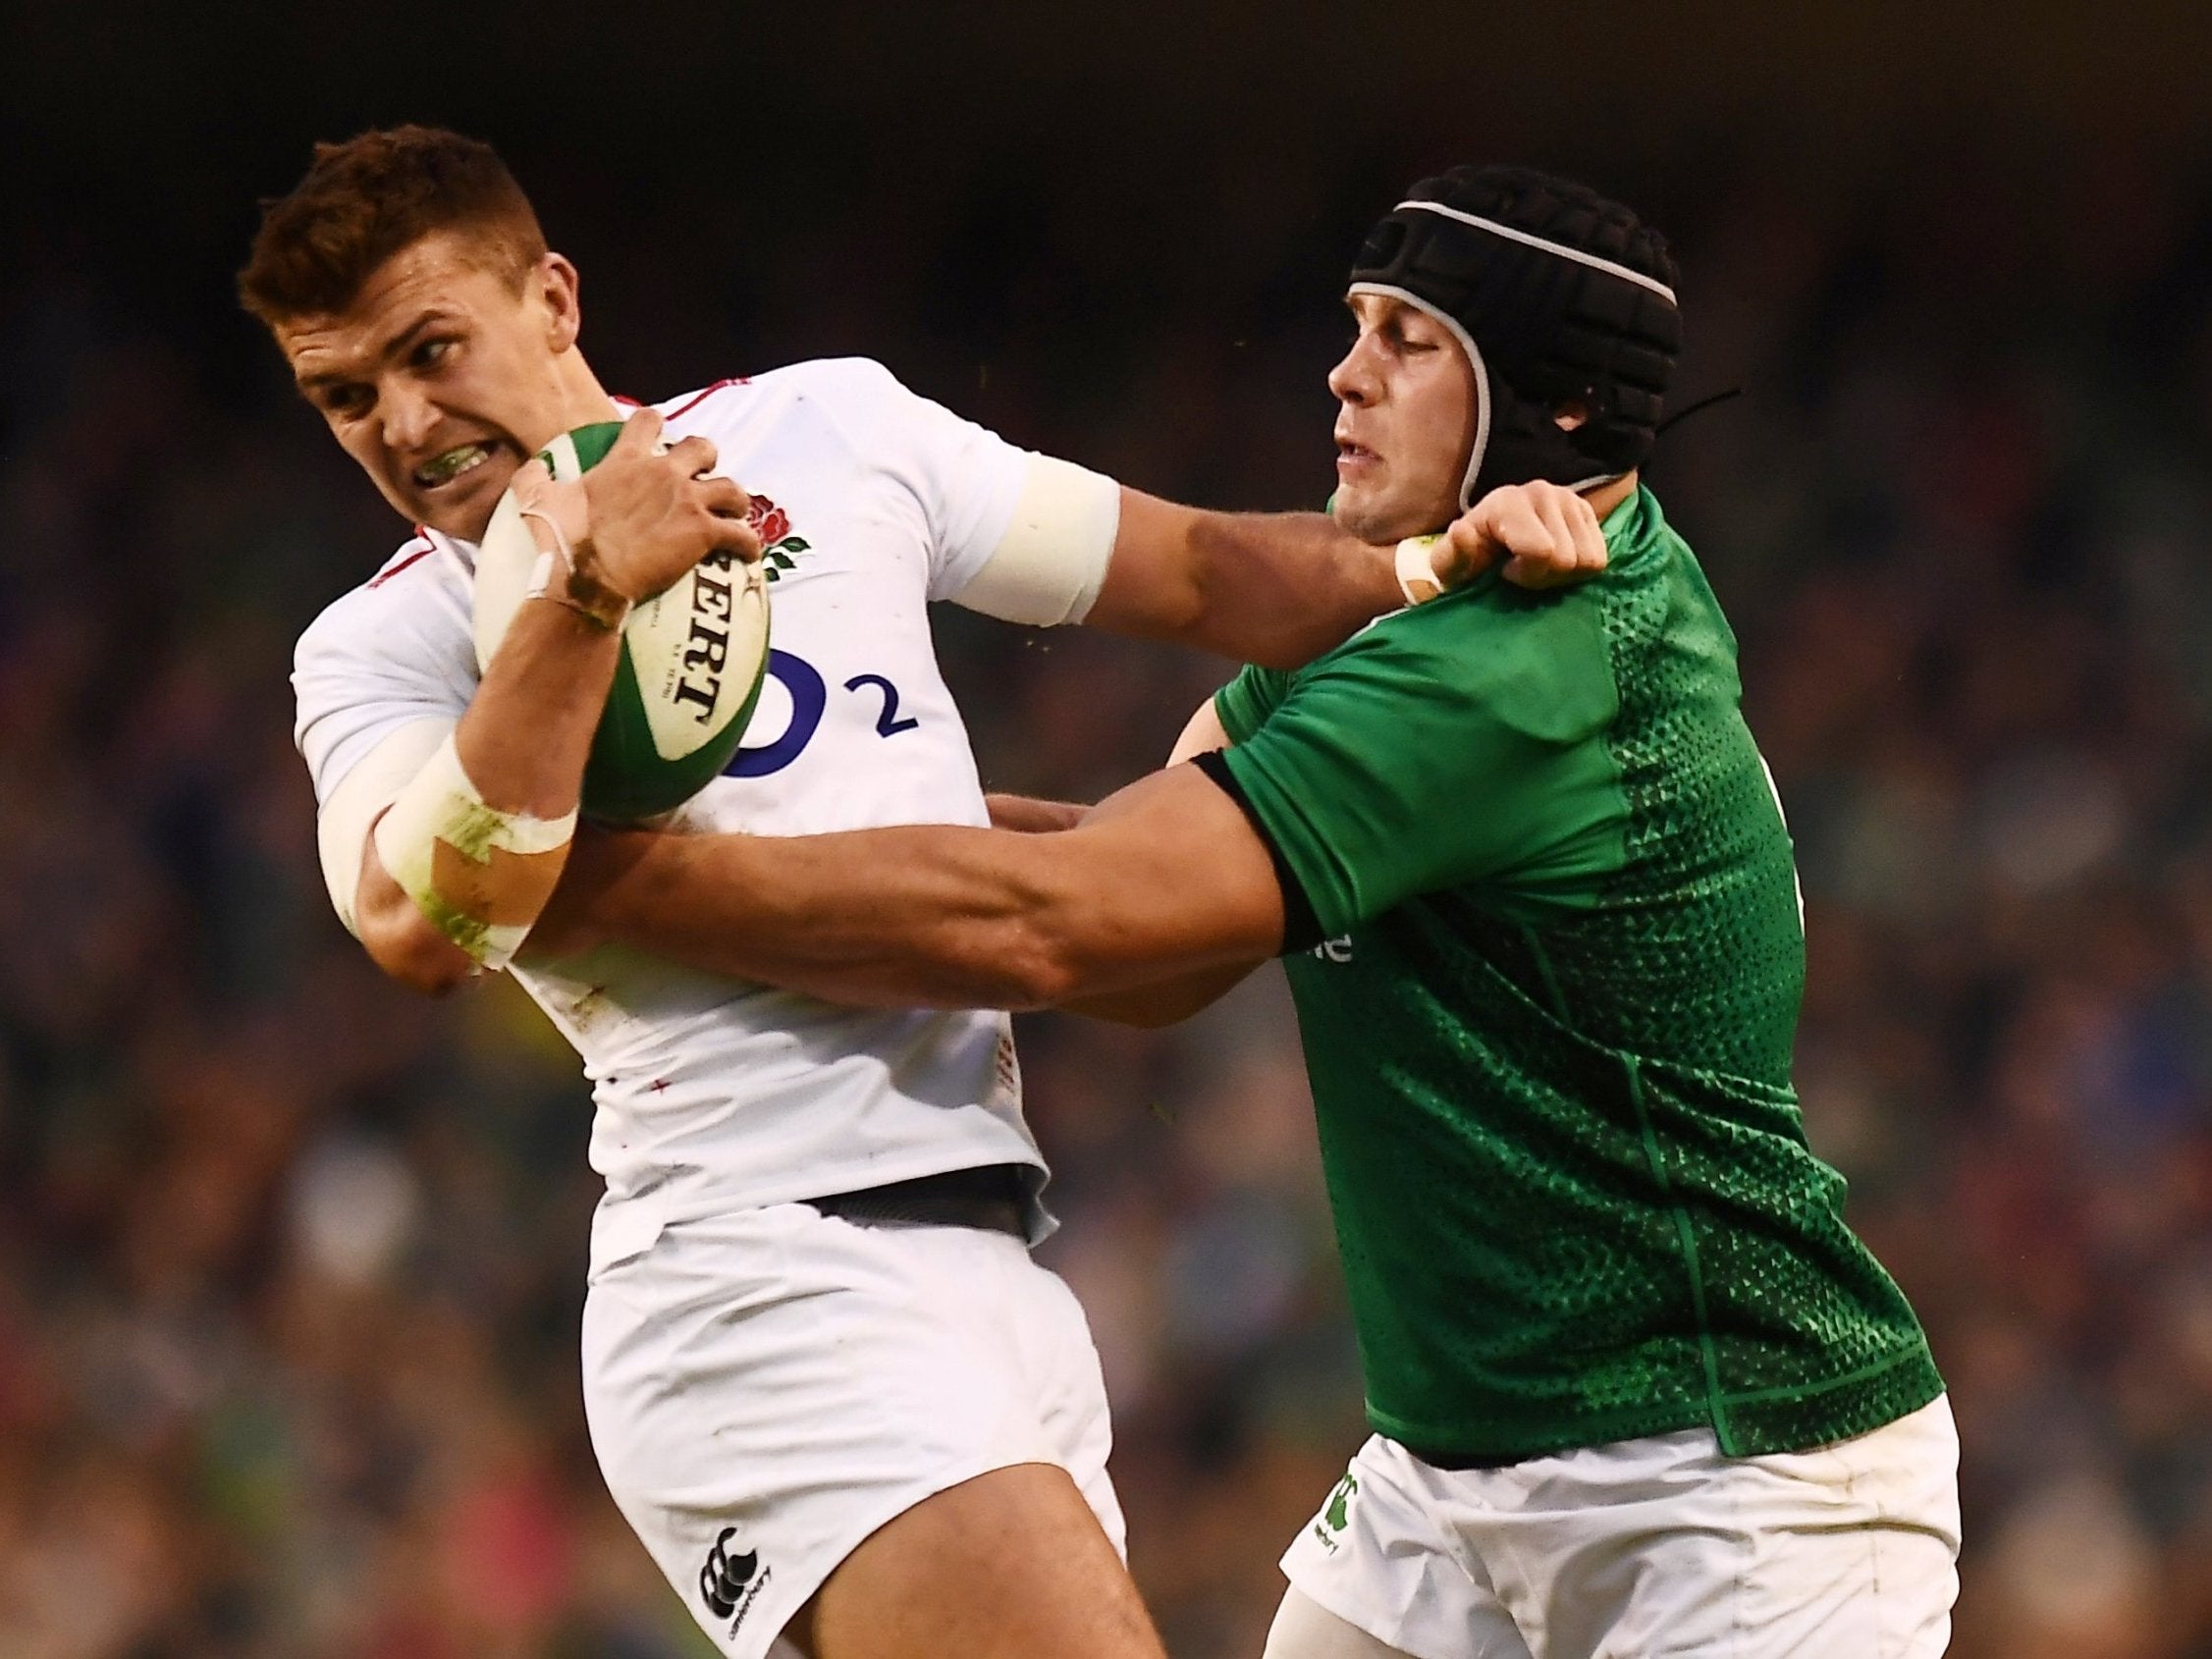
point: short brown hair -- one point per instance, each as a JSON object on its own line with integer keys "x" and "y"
{"x": 365, "y": 200}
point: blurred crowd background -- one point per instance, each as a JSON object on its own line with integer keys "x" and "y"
{"x": 291, "y": 1263}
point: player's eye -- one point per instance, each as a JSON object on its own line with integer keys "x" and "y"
{"x": 345, "y": 400}
{"x": 429, "y": 353}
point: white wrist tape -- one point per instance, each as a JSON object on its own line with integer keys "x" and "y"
{"x": 479, "y": 874}
{"x": 1049, "y": 566}
{"x": 1417, "y": 573}
{"x": 558, "y": 576}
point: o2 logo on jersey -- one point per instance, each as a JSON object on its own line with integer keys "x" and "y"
{"x": 809, "y": 692}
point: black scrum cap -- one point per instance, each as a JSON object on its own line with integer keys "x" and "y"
{"x": 1558, "y": 294}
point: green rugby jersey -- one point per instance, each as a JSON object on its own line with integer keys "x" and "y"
{"x": 1549, "y": 1034}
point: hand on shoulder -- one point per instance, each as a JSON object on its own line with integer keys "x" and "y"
{"x": 1546, "y": 534}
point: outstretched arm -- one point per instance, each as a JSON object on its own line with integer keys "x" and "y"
{"x": 1166, "y": 1003}
{"x": 1278, "y": 589}
{"x": 1165, "y": 879}
{"x": 1274, "y": 588}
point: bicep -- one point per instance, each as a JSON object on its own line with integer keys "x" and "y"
{"x": 1008, "y": 532}
{"x": 1202, "y": 734}
{"x": 1165, "y": 877}
{"x": 1050, "y": 562}
{"x": 382, "y": 678}
{"x": 1244, "y": 905}
{"x": 379, "y": 688}
{"x": 1030, "y": 815}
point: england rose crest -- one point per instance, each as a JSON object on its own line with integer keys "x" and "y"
{"x": 771, "y": 520}
{"x": 779, "y": 549}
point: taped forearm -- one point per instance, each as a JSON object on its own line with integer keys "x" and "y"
{"x": 478, "y": 873}
{"x": 343, "y": 826}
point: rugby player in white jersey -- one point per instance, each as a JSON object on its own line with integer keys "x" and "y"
{"x": 824, "y": 1382}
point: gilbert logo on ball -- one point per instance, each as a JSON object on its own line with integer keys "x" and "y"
{"x": 691, "y": 664}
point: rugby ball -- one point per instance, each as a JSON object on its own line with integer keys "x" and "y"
{"x": 692, "y": 662}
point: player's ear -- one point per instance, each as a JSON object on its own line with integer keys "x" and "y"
{"x": 555, "y": 284}
{"x": 1572, "y": 414}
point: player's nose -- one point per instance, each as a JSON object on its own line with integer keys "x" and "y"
{"x": 1353, "y": 379}
{"x": 408, "y": 416}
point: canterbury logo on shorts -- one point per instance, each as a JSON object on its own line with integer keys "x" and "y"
{"x": 729, "y": 1583}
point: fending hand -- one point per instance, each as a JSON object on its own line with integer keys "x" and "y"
{"x": 1547, "y": 535}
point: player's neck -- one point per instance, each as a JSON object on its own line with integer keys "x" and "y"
{"x": 1607, "y": 497}
{"x": 582, "y": 400}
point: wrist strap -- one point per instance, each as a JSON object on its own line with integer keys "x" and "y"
{"x": 1417, "y": 573}
{"x": 579, "y": 589}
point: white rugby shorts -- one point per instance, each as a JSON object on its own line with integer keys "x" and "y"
{"x": 765, "y": 1389}
{"x": 1644, "y": 1549}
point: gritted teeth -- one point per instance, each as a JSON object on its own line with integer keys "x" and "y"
{"x": 444, "y": 468}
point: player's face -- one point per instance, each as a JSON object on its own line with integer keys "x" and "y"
{"x": 1405, "y": 422}
{"x": 443, "y": 377}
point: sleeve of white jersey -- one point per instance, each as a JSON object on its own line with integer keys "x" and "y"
{"x": 379, "y": 678}
{"x": 1011, "y": 532}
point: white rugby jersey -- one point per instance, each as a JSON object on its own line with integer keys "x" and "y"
{"x": 713, "y": 1094}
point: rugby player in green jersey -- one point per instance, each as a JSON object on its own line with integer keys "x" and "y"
{"x": 1637, "y": 1389}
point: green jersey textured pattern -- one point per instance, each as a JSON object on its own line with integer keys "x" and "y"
{"x": 1550, "y": 1044}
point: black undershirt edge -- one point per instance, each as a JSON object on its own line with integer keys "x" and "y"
{"x": 1300, "y": 927}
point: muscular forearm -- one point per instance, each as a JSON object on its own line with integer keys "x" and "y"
{"x": 1277, "y": 589}
{"x": 1031, "y": 815}
{"x": 944, "y": 917}
{"x": 528, "y": 730}
{"x": 1165, "y": 1004}
{"x": 924, "y": 917}
{"x": 471, "y": 846}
